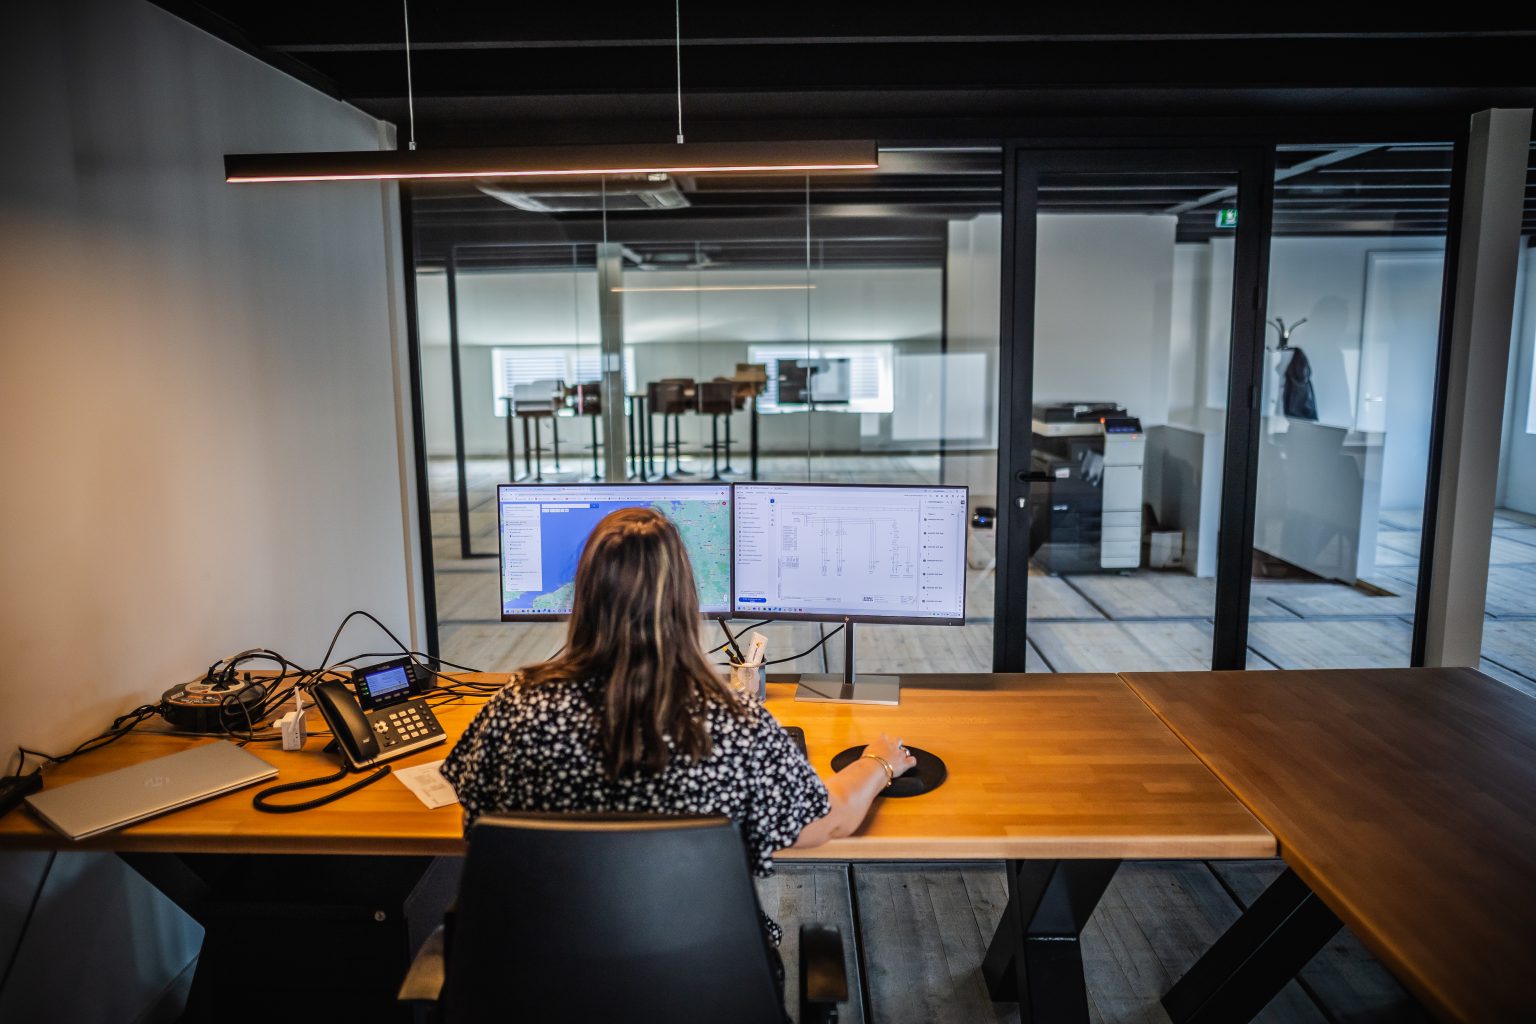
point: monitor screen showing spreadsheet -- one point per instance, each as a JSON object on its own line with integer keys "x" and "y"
{"x": 860, "y": 552}
{"x": 543, "y": 527}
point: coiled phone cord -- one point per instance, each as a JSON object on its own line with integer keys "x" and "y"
{"x": 260, "y": 802}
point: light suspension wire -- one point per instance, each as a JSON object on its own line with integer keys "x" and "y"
{"x": 677, "y": 17}
{"x": 410, "y": 95}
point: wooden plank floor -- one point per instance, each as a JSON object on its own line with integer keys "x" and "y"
{"x": 926, "y": 931}
{"x": 1078, "y": 623}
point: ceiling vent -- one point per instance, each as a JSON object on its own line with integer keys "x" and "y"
{"x": 654, "y": 191}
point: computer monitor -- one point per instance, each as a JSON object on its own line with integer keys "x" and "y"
{"x": 543, "y": 528}
{"x": 854, "y": 553}
{"x": 866, "y": 553}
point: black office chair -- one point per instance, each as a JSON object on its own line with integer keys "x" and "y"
{"x": 614, "y": 918}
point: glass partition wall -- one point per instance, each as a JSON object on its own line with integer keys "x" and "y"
{"x": 846, "y": 328}
{"x": 1509, "y": 624}
{"x": 1357, "y": 259}
{"x": 829, "y": 328}
{"x": 1132, "y": 264}
{"x": 1132, "y": 361}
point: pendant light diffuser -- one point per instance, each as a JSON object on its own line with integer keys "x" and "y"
{"x": 686, "y": 158}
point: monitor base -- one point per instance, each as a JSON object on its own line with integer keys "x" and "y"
{"x": 818, "y": 688}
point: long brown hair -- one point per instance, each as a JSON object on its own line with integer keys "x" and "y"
{"x": 635, "y": 626}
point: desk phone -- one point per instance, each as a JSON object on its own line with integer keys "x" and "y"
{"x": 386, "y": 719}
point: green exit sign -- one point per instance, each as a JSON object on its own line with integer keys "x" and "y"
{"x": 1226, "y": 217}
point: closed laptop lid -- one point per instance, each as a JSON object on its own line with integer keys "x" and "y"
{"x": 122, "y": 797}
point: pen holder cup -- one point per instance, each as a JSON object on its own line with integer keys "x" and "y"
{"x": 752, "y": 679}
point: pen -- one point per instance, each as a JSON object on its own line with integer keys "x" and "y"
{"x": 735, "y": 654}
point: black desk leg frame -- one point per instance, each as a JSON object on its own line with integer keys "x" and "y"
{"x": 1035, "y": 958}
{"x": 1250, "y": 964}
{"x": 860, "y": 966}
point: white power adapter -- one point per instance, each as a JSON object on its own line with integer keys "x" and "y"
{"x": 292, "y": 725}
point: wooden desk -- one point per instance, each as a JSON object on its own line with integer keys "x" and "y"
{"x": 1061, "y": 776}
{"x": 1039, "y": 767}
{"x": 1404, "y": 798}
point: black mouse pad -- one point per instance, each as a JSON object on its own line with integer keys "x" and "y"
{"x": 924, "y": 777}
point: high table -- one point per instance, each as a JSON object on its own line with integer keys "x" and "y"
{"x": 1060, "y": 776}
{"x": 1404, "y": 802}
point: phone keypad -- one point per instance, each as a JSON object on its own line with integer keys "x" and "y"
{"x": 405, "y": 724}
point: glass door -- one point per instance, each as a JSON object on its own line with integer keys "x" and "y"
{"x": 1132, "y": 320}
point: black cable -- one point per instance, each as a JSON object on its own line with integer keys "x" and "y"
{"x": 812, "y": 650}
{"x": 371, "y": 617}
{"x": 121, "y": 726}
{"x": 415, "y": 654}
{"x": 736, "y": 636}
{"x": 259, "y": 801}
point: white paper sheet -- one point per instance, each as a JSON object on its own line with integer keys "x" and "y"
{"x": 427, "y": 782}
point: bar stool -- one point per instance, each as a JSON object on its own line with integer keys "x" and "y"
{"x": 717, "y": 398}
{"x": 587, "y": 400}
{"x": 751, "y": 379}
{"x": 534, "y": 402}
{"x": 637, "y": 421}
{"x": 669, "y": 399}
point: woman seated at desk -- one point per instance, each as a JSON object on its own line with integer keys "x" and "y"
{"x": 632, "y": 717}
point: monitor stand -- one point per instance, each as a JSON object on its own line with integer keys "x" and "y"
{"x": 848, "y": 687}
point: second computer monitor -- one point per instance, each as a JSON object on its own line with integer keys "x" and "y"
{"x": 544, "y": 527}
{"x": 862, "y": 552}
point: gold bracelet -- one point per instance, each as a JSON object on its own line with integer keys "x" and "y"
{"x": 890, "y": 773}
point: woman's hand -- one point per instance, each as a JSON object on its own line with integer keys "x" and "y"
{"x": 897, "y": 756}
{"x": 851, "y": 791}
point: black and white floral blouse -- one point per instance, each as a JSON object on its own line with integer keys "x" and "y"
{"x": 535, "y": 748}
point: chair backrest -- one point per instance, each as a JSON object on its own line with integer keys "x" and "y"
{"x": 670, "y": 396}
{"x": 716, "y": 397}
{"x": 611, "y": 918}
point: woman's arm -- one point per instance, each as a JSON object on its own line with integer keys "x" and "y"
{"x": 853, "y": 789}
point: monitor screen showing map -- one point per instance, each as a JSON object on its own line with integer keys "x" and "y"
{"x": 544, "y": 527}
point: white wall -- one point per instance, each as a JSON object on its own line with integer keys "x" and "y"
{"x": 200, "y": 434}
{"x": 1400, "y": 336}
{"x": 1103, "y": 303}
{"x": 1517, "y": 464}
{"x": 201, "y": 437}
{"x": 973, "y": 312}
{"x": 1189, "y": 308}
{"x": 689, "y": 334}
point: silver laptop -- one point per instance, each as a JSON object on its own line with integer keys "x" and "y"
{"x": 92, "y": 806}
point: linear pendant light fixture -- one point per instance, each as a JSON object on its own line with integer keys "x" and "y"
{"x": 550, "y": 161}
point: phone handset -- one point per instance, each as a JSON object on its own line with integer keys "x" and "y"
{"x": 347, "y": 722}
{"x": 386, "y": 719}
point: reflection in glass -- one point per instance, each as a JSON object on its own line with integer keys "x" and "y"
{"x": 1354, "y": 317}
{"x": 841, "y": 327}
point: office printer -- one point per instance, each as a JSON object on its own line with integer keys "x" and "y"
{"x": 1085, "y": 487}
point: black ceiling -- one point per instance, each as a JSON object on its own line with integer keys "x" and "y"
{"x": 604, "y": 72}
{"x": 939, "y": 87}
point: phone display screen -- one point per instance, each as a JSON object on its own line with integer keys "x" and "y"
{"x": 386, "y": 685}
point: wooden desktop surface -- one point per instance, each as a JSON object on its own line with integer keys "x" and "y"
{"x": 1405, "y": 798}
{"x": 1040, "y": 766}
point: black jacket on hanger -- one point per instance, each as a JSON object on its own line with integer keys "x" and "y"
{"x": 1297, "y": 398}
